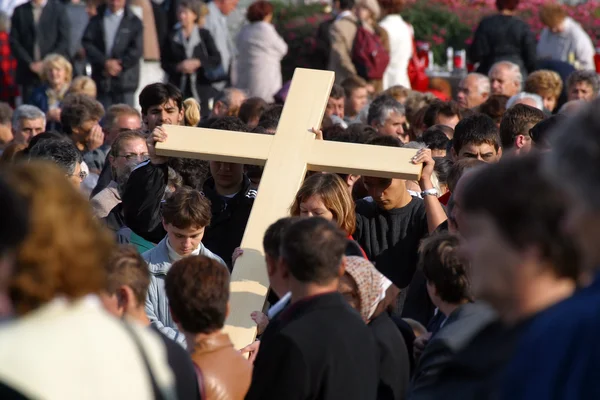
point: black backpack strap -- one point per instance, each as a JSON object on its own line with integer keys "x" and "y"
{"x": 157, "y": 393}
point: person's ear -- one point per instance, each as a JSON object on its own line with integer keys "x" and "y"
{"x": 342, "y": 268}
{"x": 485, "y": 96}
{"x": 111, "y": 159}
{"x": 285, "y": 272}
{"x": 181, "y": 116}
{"x": 124, "y": 299}
{"x": 352, "y": 179}
{"x": 519, "y": 142}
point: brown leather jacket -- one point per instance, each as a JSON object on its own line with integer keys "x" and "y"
{"x": 226, "y": 373}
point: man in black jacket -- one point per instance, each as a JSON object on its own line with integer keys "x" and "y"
{"x": 321, "y": 348}
{"x": 113, "y": 45}
{"x": 38, "y": 28}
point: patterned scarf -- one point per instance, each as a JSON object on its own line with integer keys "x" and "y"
{"x": 369, "y": 282}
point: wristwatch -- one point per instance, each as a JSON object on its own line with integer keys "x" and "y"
{"x": 429, "y": 192}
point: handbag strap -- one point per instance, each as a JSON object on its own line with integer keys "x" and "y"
{"x": 200, "y": 378}
{"x": 157, "y": 393}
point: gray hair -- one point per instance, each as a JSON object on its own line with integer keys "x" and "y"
{"x": 512, "y": 68}
{"x": 381, "y": 108}
{"x": 483, "y": 82}
{"x": 539, "y": 102}
{"x": 589, "y": 77}
{"x": 62, "y": 152}
{"x": 26, "y": 112}
{"x": 415, "y": 145}
{"x": 575, "y": 152}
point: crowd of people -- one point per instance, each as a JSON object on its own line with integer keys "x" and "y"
{"x": 477, "y": 281}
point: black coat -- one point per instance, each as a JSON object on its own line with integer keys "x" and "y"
{"x": 503, "y": 38}
{"x": 53, "y": 36}
{"x": 322, "y": 350}
{"x": 128, "y": 48}
{"x": 173, "y": 52}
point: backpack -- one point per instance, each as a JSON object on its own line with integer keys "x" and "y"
{"x": 368, "y": 54}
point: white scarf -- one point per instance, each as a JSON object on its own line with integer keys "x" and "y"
{"x": 174, "y": 256}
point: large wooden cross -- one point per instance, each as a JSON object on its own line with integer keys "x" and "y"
{"x": 286, "y": 156}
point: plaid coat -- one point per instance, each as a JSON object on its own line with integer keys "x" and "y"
{"x": 8, "y": 69}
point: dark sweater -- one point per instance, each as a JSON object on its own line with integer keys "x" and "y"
{"x": 391, "y": 238}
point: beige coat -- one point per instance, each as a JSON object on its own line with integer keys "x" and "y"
{"x": 342, "y": 35}
{"x": 151, "y": 45}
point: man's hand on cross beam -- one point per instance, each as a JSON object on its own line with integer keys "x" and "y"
{"x": 158, "y": 135}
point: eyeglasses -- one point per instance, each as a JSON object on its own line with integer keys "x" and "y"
{"x": 82, "y": 175}
{"x": 133, "y": 156}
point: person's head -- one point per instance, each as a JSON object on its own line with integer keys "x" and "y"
{"x": 398, "y": 92}
{"x": 228, "y": 103}
{"x": 12, "y": 153}
{"x": 459, "y": 168}
{"x": 473, "y": 90}
{"x": 193, "y": 172}
{"x": 252, "y": 109}
{"x": 361, "y": 286}
{"x": 572, "y": 107}
{"x": 185, "y": 215}
{"x": 368, "y": 11}
{"x": 66, "y": 248}
{"x": 191, "y": 112}
{"x": 83, "y": 85}
{"x": 583, "y": 85}
{"x": 161, "y": 103}
{"x": 477, "y": 137}
{"x": 64, "y": 154}
{"x": 343, "y": 5}
{"x": 127, "y": 282}
{"x": 494, "y": 107}
{"x": 357, "y": 96}
{"x": 6, "y": 114}
{"x": 312, "y": 252}
{"x": 226, "y": 6}
{"x": 507, "y": 5}
{"x": 128, "y": 150}
{"x": 442, "y": 168}
{"x": 387, "y": 193}
{"x": 515, "y": 126}
{"x": 437, "y": 140}
{"x": 260, "y": 10}
{"x": 120, "y": 118}
{"x": 189, "y": 12}
{"x": 228, "y": 177}
{"x": 197, "y": 288}
{"x": 553, "y": 15}
{"x": 335, "y": 103}
{"x": 27, "y": 122}
{"x": 546, "y": 84}
{"x": 572, "y": 166}
{"x": 57, "y": 71}
{"x": 115, "y": 5}
{"x": 542, "y": 131}
{"x": 442, "y": 113}
{"x": 272, "y": 246}
{"x": 270, "y": 118}
{"x": 326, "y": 196}
{"x": 505, "y": 78}
{"x": 79, "y": 115}
{"x": 528, "y": 99}
{"x": 388, "y": 117}
{"x": 446, "y": 272}
{"x": 511, "y": 238}
{"x": 459, "y": 174}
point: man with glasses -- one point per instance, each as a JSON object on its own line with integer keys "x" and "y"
{"x": 128, "y": 150}
{"x": 64, "y": 154}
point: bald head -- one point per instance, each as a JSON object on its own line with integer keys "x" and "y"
{"x": 505, "y": 78}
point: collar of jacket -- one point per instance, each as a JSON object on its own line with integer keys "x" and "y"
{"x": 215, "y": 341}
{"x": 158, "y": 259}
{"x": 102, "y": 10}
{"x": 218, "y": 203}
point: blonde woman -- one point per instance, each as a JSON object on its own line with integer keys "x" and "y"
{"x": 84, "y": 85}
{"x": 57, "y": 74}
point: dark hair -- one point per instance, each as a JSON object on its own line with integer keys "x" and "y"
{"x": 193, "y": 172}
{"x": 127, "y": 267}
{"x": 459, "y": 168}
{"x": 510, "y": 5}
{"x": 357, "y": 133}
{"x": 585, "y": 76}
{"x": 14, "y": 216}
{"x": 445, "y": 108}
{"x": 274, "y": 236}
{"x": 392, "y": 6}
{"x": 442, "y": 168}
{"x": 157, "y": 94}
{"x": 252, "y": 108}
{"x": 230, "y": 124}
{"x": 333, "y": 131}
{"x": 494, "y": 107}
{"x": 443, "y": 268}
{"x": 540, "y": 133}
{"x": 435, "y": 138}
{"x": 186, "y": 208}
{"x": 337, "y": 92}
{"x": 62, "y": 152}
{"x": 77, "y": 109}
{"x": 270, "y": 118}
{"x": 477, "y": 129}
{"x": 503, "y": 192}
{"x": 6, "y": 113}
{"x": 312, "y": 249}
{"x": 346, "y": 4}
{"x": 389, "y": 141}
{"x": 350, "y": 84}
{"x": 198, "y": 291}
{"x": 517, "y": 121}
{"x": 41, "y": 137}
{"x": 259, "y": 10}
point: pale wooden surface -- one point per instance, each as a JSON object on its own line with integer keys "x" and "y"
{"x": 288, "y": 154}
